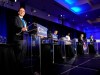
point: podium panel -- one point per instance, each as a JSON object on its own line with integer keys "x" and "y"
{"x": 41, "y": 30}
{"x": 46, "y": 58}
{"x": 69, "y": 51}
{"x": 92, "y": 49}
{"x": 58, "y": 54}
{"x": 80, "y": 50}
{"x": 46, "y": 53}
{"x": 7, "y": 60}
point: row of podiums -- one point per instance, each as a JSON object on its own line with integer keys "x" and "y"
{"x": 47, "y": 52}
{"x": 39, "y": 52}
{"x": 51, "y": 53}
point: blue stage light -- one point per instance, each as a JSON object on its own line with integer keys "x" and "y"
{"x": 69, "y": 1}
{"x": 76, "y": 9}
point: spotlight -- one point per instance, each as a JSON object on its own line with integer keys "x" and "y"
{"x": 13, "y": 0}
{"x": 61, "y": 15}
{"x": 49, "y": 15}
{"x": 86, "y": 15}
{"x": 34, "y": 11}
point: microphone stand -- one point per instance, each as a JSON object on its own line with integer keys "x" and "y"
{"x": 27, "y": 27}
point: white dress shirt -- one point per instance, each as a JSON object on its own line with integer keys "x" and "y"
{"x": 68, "y": 40}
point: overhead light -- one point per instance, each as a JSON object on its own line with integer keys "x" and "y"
{"x": 13, "y": 0}
{"x": 61, "y": 15}
{"x": 70, "y": 1}
{"x": 86, "y": 15}
{"x": 49, "y": 15}
{"x": 76, "y": 9}
{"x": 34, "y": 11}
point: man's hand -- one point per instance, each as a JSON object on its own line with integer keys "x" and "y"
{"x": 24, "y": 29}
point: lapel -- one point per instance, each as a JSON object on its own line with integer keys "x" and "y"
{"x": 20, "y": 22}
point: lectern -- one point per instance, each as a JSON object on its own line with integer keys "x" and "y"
{"x": 37, "y": 33}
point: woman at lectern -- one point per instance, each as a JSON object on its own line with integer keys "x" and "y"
{"x": 81, "y": 45}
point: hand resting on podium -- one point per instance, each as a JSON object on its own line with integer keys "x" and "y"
{"x": 24, "y": 29}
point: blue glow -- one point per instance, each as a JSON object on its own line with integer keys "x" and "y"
{"x": 70, "y": 1}
{"x": 76, "y": 9}
{"x": 3, "y": 25}
{"x": 72, "y": 6}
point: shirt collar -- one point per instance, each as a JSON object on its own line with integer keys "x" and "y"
{"x": 20, "y": 17}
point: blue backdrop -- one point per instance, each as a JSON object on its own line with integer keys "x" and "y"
{"x": 3, "y": 23}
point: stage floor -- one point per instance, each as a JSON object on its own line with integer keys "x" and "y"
{"x": 79, "y": 65}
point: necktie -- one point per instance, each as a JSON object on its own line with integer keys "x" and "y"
{"x": 23, "y": 22}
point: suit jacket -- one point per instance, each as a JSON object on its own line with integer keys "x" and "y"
{"x": 92, "y": 41}
{"x": 18, "y": 24}
{"x": 54, "y": 37}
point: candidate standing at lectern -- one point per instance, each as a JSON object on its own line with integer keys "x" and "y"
{"x": 20, "y": 27}
{"x": 68, "y": 43}
{"x": 55, "y": 37}
{"x": 92, "y": 45}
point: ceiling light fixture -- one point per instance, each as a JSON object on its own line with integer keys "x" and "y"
{"x": 76, "y": 9}
{"x": 13, "y": 0}
{"x": 49, "y": 15}
{"x": 34, "y": 11}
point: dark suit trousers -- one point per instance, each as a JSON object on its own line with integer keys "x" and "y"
{"x": 20, "y": 49}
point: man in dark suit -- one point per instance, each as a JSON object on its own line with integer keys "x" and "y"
{"x": 92, "y": 45}
{"x": 20, "y": 23}
{"x": 19, "y": 29}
